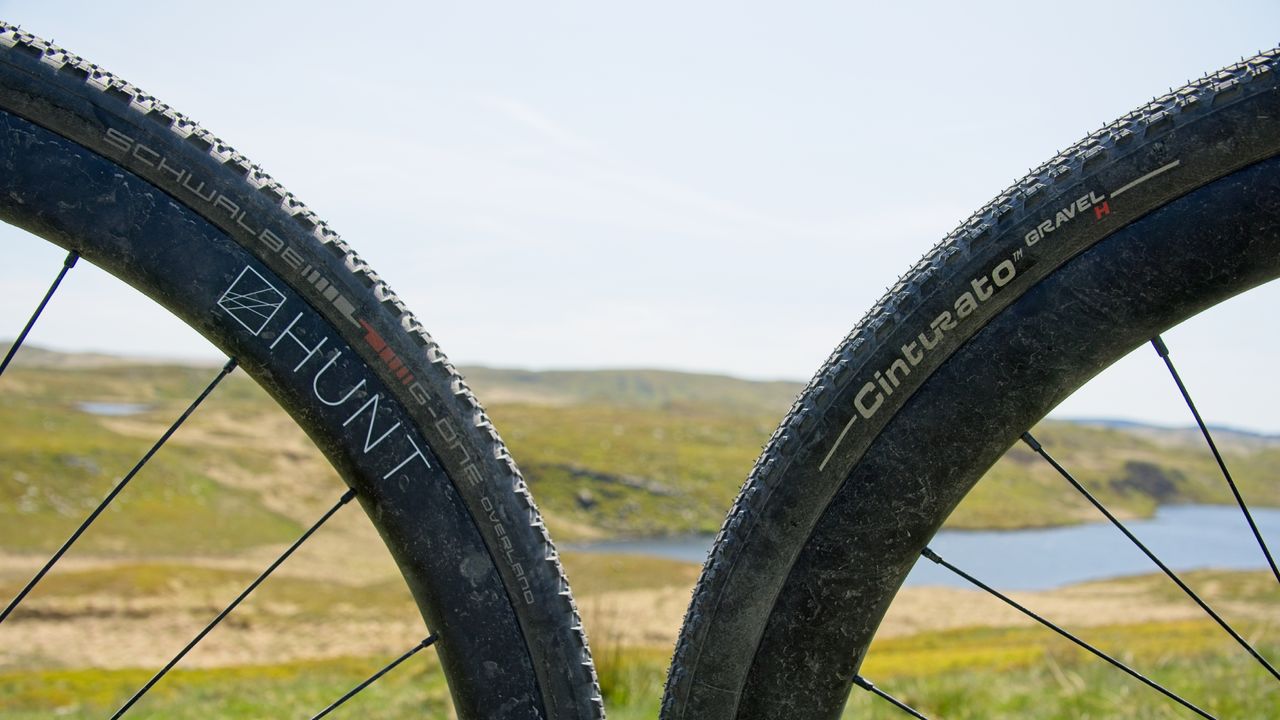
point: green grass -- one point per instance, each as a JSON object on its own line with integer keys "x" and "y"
{"x": 1026, "y": 673}
{"x": 632, "y": 471}
{"x": 608, "y": 454}
{"x": 626, "y": 471}
{"x": 1130, "y": 471}
{"x": 325, "y": 600}
{"x": 631, "y": 680}
{"x": 1002, "y": 672}
{"x": 591, "y": 573}
{"x": 619, "y": 453}
{"x": 293, "y": 690}
{"x": 205, "y": 590}
{"x": 57, "y": 463}
{"x": 975, "y": 673}
{"x": 647, "y": 389}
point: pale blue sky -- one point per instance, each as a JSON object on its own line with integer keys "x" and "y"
{"x": 720, "y": 187}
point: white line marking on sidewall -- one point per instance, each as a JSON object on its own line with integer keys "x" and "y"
{"x": 1144, "y": 178}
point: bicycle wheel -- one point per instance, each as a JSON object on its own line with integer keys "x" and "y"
{"x": 91, "y": 163}
{"x": 1172, "y": 208}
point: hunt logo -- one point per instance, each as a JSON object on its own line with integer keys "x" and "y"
{"x": 251, "y": 301}
{"x": 340, "y": 385}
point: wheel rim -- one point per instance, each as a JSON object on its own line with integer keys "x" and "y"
{"x": 388, "y": 390}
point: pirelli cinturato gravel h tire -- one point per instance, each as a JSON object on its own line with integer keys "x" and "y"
{"x": 1149, "y": 220}
{"x": 95, "y": 165}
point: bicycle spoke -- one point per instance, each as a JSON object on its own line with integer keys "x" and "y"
{"x": 1039, "y": 449}
{"x": 931, "y": 555}
{"x": 1163, "y": 350}
{"x": 115, "y": 491}
{"x": 67, "y": 264}
{"x": 373, "y": 678}
{"x": 867, "y": 685}
{"x": 346, "y": 498}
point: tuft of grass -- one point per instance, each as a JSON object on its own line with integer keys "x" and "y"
{"x": 631, "y": 678}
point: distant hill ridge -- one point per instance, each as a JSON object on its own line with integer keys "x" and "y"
{"x": 638, "y": 388}
{"x": 35, "y": 356}
{"x": 608, "y": 453}
{"x": 1216, "y": 430}
{"x": 628, "y": 388}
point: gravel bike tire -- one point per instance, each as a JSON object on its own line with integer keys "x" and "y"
{"x": 95, "y": 165}
{"x": 1172, "y": 208}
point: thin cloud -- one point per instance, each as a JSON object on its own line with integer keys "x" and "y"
{"x": 537, "y": 121}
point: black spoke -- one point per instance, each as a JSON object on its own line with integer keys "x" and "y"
{"x": 13, "y": 349}
{"x": 346, "y": 498}
{"x": 1039, "y": 449}
{"x": 867, "y": 685}
{"x": 226, "y": 370}
{"x": 931, "y": 555}
{"x": 373, "y": 678}
{"x": 1163, "y": 350}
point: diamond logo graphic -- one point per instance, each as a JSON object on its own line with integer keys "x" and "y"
{"x": 251, "y": 300}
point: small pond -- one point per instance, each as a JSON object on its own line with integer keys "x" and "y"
{"x": 112, "y": 409}
{"x": 1186, "y": 537}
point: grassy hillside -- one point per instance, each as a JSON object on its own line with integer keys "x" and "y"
{"x": 608, "y": 454}
{"x": 979, "y": 669}
{"x": 645, "y": 452}
{"x": 1132, "y": 470}
{"x": 58, "y": 462}
{"x": 617, "y": 466}
{"x": 1008, "y": 674}
{"x": 651, "y": 389}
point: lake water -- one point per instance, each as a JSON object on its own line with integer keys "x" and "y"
{"x": 1184, "y": 537}
{"x": 113, "y": 409}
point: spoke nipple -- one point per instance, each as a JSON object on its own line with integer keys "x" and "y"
{"x": 863, "y": 683}
{"x": 929, "y": 554}
{"x": 428, "y": 641}
{"x": 1158, "y": 343}
{"x": 231, "y": 365}
{"x": 348, "y": 496}
{"x": 1032, "y": 442}
{"x": 72, "y": 257}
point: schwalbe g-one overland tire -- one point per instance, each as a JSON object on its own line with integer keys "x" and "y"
{"x": 1147, "y": 221}
{"x": 91, "y": 163}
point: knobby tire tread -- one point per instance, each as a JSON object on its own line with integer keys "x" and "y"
{"x": 808, "y": 429}
{"x": 576, "y": 685}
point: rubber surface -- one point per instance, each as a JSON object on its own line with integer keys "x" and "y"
{"x": 93, "y": 164}
{"x": 1144, "y": 222}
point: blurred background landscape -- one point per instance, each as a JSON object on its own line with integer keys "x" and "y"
{"x": 717, "y": 190}
{"x": 649, "y": 456}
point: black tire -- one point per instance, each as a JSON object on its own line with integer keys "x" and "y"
{"x": 1147, "y": 221}
{"x": 93, "y": 164}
